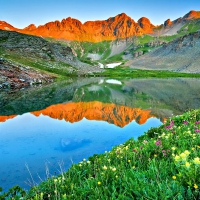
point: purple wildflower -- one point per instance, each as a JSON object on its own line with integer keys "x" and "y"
{"x": 197, "y": 122}
{"x": 158, "y": 143}
{"x": 185, "y": 122}
{"x": 197, "y": 131}
{"x": 141, "y": 147}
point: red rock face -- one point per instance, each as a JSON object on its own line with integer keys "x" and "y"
{"x": 6, "y": 26}
{"x": 120, "y": 26}
{"x": 146, "y": 25}
{"x": 168, "y": 22}
{"x": 192, "y": 15}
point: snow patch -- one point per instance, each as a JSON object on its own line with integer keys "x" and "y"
{"x": 113, "y": 81}
{"x": 113, "y": 65}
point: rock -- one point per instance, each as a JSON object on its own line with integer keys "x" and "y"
{"x": 6, "y": 85}
{"x": 126, "y": 52}
{"x": 2, "y": 60}
{"x": 135, "y": 54}
{"x": 140, "y": 53}
{"x": 168, "y": 22}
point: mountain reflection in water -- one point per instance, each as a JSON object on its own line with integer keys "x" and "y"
{"x": 64, "y": 122}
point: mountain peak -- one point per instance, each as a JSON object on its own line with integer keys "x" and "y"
{"x": 30, "y": 27}
{"x": 192, "y": 15}
{"x": 168, "y": 22}
{"x": 145, "y": 24}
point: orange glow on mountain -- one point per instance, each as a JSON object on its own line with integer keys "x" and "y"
{"x": 113, "y": 114}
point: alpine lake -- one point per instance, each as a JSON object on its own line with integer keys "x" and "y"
{"x": 44, "y": 130}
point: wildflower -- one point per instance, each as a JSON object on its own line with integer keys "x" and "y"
{"x": 193, "y": 148}
{"x": 174, "y": 177}
{"x": 129, "y": 161}
{"x": 155, "y": 155}
{"x": 187, "y": 164}
{"x": 133, "y": 167}
{"x": 141, "y": 147}
{"x": 196, "y": 161}
{"x": 195, "y": 186}
{"x": 185, "y": 122}
{"x": 114, "y": 169}
{"x": 116, "y": 176}
{"x": 197, "y": 131}
{"x": 183, "y": 156}
{"x": 88, "y": 162}
{"x": 55, "y": 180}
{"x": 186, "y": 152}
{"x": 177, "y": 158}
{"x": 99, "y": 183}
{"x": 145, "y": 141}
{"x": 79, "y": 165}
{"x": 109, "y": 160}
{"x": 158, "y": 143}
{"x": 84, "y": 159}
{"x": 173, "y": 148}
{"x": 197, "y": 122}
{"x": 104, "y": 167}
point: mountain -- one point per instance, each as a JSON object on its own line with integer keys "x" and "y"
{"x": 180, "y": 55}
{"x": 120, "y": 26}
{"x": 7, "y": 27}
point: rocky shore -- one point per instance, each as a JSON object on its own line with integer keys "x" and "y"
{"x": 16, "y": 76}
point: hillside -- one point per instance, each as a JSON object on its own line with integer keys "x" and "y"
{"x": 179, "y": 55}
{"x": 39, "y": 53}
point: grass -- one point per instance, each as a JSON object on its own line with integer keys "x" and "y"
{"x": 164, "y": 163}
{"x": 58, "y": 69}
{"x": 136, "y": 73}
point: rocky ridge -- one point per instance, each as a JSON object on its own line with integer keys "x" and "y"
{"x": 120, "y": 26}
{"x": 180, "y": 55}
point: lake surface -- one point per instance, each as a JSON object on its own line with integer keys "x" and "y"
{"x": 44, "y": 130}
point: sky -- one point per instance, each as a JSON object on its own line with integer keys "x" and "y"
{"x": 21, "y": 13}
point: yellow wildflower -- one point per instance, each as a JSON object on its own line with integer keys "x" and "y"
{"x": 195, "y": 186}
{"x": 174, "y": 177}
{"x": 173, "y": 148}
{"x": 183, "y": 156}
{"x": 155, "y": 155}
{"x": 196, "y": 161}
{"x": 193, "y": 148}
{"x": 133, "y": 167}
{"x": 116, "y": 176}
{"x": 99, "y": 183}
{"x": 104, "y": 167}
{"x": 187, "y": 164}
{"x": 129, "y": 160}
{"x": 114, "y": 169}
{"x": 186, "y": 152}
{"x": 177, "y": 158}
